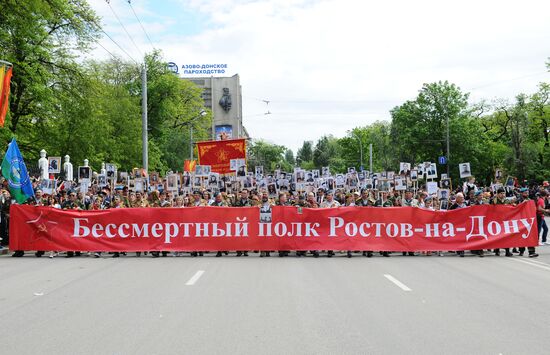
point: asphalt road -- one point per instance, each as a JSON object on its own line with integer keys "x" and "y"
{"x": 397, "y": 305}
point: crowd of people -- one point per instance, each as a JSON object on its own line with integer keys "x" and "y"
{"x": 265, "y": 191}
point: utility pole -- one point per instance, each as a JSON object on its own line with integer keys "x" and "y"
{"x": 360, "y": 148}
{"x": 191, "y": 141}
{"x": 145, "y": 148}
{"x": 448, "y": 149}
{"x": 370, "y": 157}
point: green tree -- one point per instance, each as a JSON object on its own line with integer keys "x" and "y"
{"x": 289, "y": 157}
{"x": 268, "y": 155}
{"x": 42, "y": 39}
{"x": 305, "y": 153}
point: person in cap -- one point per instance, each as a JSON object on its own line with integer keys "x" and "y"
{"x": 541, "y": 224}
{"x": 311, "y": 202}
{"x": 460, "y": 202}
{"x": 500, "y": 199}
{"x": 243, "y": 201}
{"x": 408, "y": 200}
{"x": 478, "y": 199}
{"x": 72, "y": 203}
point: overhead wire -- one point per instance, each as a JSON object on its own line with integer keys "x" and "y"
{"x": 142, "y": 27}
{"x": 122, "y": 49}
{"x": 124, "y": 27}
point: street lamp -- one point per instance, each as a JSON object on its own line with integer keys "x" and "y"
{"x": 360, "y": 147}
{"x": 201, "y": 114}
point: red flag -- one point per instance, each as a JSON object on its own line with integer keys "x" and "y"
{"x": 4, "y": 96}
{"x": 218, "y": 154}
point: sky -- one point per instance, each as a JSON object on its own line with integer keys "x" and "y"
{"x": 329, "y": 66}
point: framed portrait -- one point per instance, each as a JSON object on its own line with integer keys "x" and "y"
{"x": 352, "y": 181}
{"x": 139, "y": 185}
{"x": 443, "y": 176}
{"x": 404, "y": 169}
{"x": 443, "y": 194}
{"x": 331, "y": 183}
{"x": 351, "y": 170}
{"x": 186, "y": 180}
{"x": 102, "y": 180}
{"x": 137, "y": 173}
{"x": 444, "y": 204}
{"x": 172, "y": 182}
{"x": 325, "y": 171}
{"x": 390, "y": 175}
{"x": 431, "y": 187}
{"x": 241, "y": 170}
{"x": 414, "y": 175}
{"x": 316, "y": 174}
{"x": 123, "y": 177}
{"x": 445, "y": 184}
{"x": 400, "y": 183}
{"x": 340, "y": 181}
{"x": 54, "y": 165}
{"x": 235, "y": 164}
{"x": 110, "y": 171}
{"x": 197, "y": 182}
{"x": 498, "y": 174}
{"x": 213, "y": 179}
{"x": 431, "y": 173}
{"x": 465, "y": 171}
{"x": 84, "y": 173}
{"x": 259, "y": 170}
{"x": 272, "y": 190}
{"x": 154, "y": 178}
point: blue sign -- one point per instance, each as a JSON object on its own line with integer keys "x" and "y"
{"x": 173, "y": 67}
{"x": 442, "y": 160}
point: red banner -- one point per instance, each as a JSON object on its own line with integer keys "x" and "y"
{"x": 226, "y": 228}
{"x": 218, "y": 154}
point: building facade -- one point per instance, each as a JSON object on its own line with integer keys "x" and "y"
{"x": 222, "y": 95}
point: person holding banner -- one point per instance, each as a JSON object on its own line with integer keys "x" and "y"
{"x": 72, "y": 203}
{"x": 244, "y": 201}
{"x": 459, "y": 203}
{"x": 540, "y": 216}
{"x": 500, "y": 199}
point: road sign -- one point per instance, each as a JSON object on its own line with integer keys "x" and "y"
{"x": 442, "y": 160}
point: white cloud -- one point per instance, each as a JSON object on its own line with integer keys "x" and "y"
{"x": 312, "y": 58}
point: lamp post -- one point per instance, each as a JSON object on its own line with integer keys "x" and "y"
{"x": 201, "y": 114}
{"x": 360, "y": 146}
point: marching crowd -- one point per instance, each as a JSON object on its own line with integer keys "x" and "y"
{"x": 96, "y": 197}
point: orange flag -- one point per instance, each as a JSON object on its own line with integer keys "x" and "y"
{"x": 189, "y": 165}
{"x": 4, "y": 93}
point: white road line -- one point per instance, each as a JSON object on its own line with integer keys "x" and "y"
{"x": 195, "y": 278}
{"x": 532, "y": 263}
{"x": 397, "y": 282}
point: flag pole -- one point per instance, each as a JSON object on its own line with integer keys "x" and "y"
{"x": 5, "y": 62}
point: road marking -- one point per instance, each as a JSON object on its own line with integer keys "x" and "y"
{"x": 543, "y": 266}
{"x": 195, "y": 278}
{"x": 397, "y": 282}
